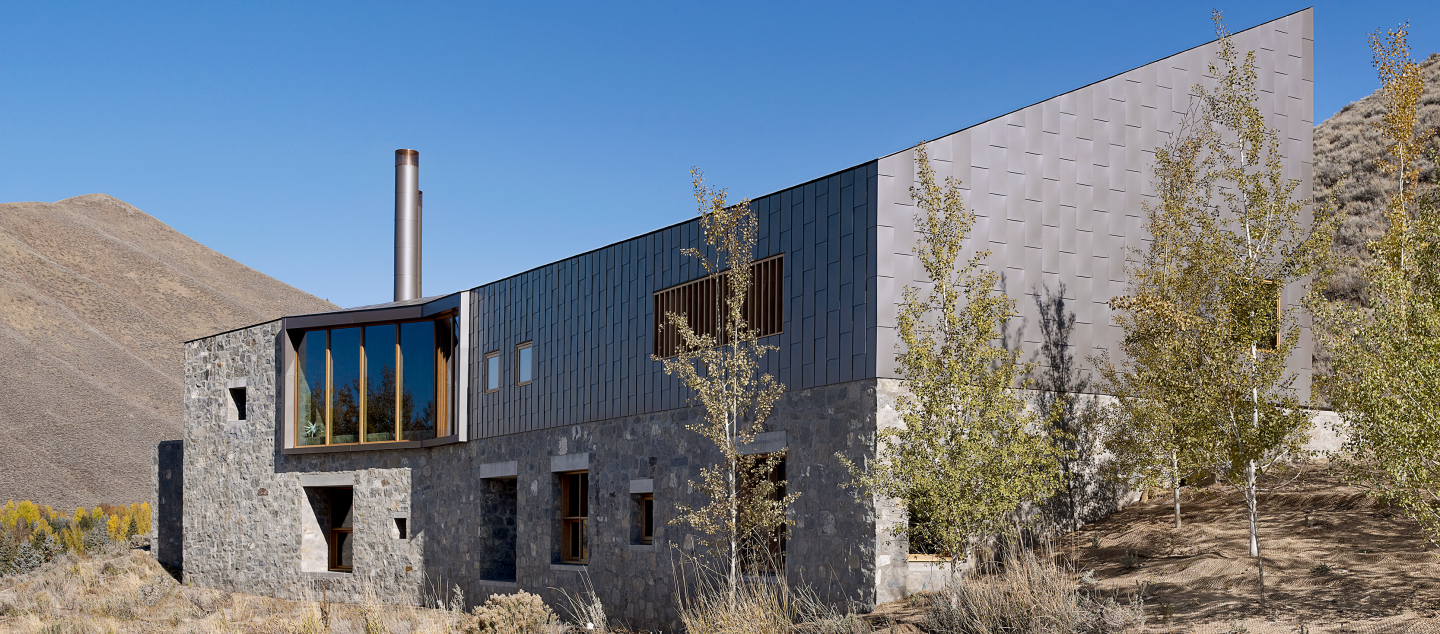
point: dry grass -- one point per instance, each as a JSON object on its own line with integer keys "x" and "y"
{"x": 759, "y": 605}
{"x": 1029, "y": 591}
{"x": 131, "y": 593}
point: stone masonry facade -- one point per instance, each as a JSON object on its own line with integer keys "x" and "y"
{"x": 250, "y": 526}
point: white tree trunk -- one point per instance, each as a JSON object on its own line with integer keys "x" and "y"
{"x": 1175, "y": 476}
{"x": 1252, "y": 503}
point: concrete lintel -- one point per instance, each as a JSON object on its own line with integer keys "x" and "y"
{"x": 499, "y": 470}
{"x": 570, "y": 462}
{"x": 345, "y": 479}
{"x": 767, "y": 442}
{"x": 234, "y": 383}
{"x": 497, "y": 584}
{"x": 570, "y": 567}
{"x": 642, "y": 486}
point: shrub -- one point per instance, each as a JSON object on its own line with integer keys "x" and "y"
{"x": 1130, "y": 560}
{"x": 518, "y": 613}
{"x": 1030, "y": 593}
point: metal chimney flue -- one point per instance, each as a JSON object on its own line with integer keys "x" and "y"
{"x": 407, "y": 225}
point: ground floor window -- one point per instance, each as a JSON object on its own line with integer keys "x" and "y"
{"x": 647, "y": 518}
{"x": 574, "y": 517}
{"x": 340, "y": 534}
{"x": 764, "y": 552}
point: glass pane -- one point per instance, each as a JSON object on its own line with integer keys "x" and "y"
{"x": 379, "y": 383}
{"x": 345, "y": 382}
{"x": 310, "y": 380}
{"x": 342, "y": 505}
{"x": 525, "y": 364}
{"x": 492, "y": 372}
{"x": 344, "y": 550}
{"x": 417, "y": 380}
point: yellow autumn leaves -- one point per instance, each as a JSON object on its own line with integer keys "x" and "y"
{"x": 26, "y": 520}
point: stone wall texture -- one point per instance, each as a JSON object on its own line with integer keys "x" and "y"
{"x": 249, "y": 525}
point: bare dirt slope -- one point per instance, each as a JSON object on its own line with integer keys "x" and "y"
{"x": 96, "y": 298}
{"x": 1353, "y": 566}
{"x": 1345, "y": 149}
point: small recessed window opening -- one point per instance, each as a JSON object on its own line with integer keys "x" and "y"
{"x": 492, "y": 371}
{"x": 647, "y": 518}
{"x": 574, "y": 515}
{"x": 522, "y": 364}
{"x": 342, "y": 548}
{"x": 400, "y": 528}
{"x": 237, "y": 403}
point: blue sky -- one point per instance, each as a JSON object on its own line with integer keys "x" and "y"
{"x": 266, "y": 130}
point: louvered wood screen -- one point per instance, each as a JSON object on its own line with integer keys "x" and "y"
{"x": 702, "y": 303}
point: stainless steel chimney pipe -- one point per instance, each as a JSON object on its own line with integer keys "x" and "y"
{"x": 407, "y": 225}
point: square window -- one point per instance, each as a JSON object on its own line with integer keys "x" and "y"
{"x": 522, "y": 364}
{"x": 492, "y": 371}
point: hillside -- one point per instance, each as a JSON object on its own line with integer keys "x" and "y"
{"x": 96, "y": 297}
{"x": 1335, "y": 561}
{"x": 1345, "y": 148}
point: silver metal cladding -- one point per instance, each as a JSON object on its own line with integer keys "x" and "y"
{"x": 407, "y": 225}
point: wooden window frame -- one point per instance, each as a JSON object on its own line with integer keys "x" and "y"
{"x": 445, "y": 374}
{"x": 334, "y": 532}
{"x": 776, "y": 545}
{"x": 647, "y": 518}
{"x": 572, "y": 522}
{"x": 702, "y": 301}
{"x": 494, "y": 354}
{"x": 527, "y": 345}
{"x": 1274, "y": 343}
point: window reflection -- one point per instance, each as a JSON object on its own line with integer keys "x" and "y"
{"x": 417, "y": 380}
{"x": 523, "y": 360}
{"x": 311, "y": 381}
{"x": 377, "y": 383}
{"x": 345, "y": 381}
{"x": 380, "y": 383}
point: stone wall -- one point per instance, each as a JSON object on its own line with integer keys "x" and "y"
{"x": 251, "y": 527}
{"x": 168, "y": 504}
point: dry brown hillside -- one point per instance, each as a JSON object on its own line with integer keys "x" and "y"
{"x": 96, "y": 297}
{"x": 1345, "y": 149}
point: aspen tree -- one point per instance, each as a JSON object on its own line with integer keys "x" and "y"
{"x": 969, "y": 452}
{"x": 1386, "y": 356}
{"x": 1232, "y": 243}
{"x": 724, "y": 377}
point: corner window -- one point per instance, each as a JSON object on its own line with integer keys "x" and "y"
{"x": 492, "y": 371}
{"x": 702, "y": 302}
{"x": 523, "y": 364}
{"x": 376, "y": 383}
{"x": 574, "y": 517}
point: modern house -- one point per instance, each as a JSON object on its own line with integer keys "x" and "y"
{"x": 521, "y": 435}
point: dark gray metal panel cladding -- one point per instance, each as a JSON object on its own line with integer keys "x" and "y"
{"x": 590, "y": 317}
